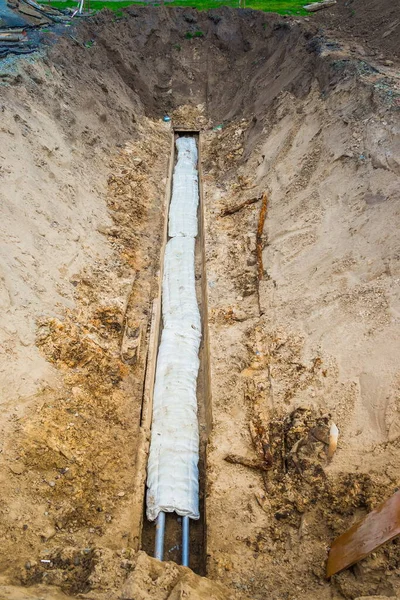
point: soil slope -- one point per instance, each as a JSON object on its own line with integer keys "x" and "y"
{"x": 373, "y": 25}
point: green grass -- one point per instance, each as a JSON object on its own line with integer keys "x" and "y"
{"x": 283, "y": 7}
{"x": 94, "y": 4}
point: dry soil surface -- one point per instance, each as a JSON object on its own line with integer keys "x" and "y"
{"x": 302, "y": 300}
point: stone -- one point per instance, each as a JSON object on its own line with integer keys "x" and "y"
{"x": 47, "y": 533}
{"x": 17, "y": 468}
{"x": 171, "y": 582}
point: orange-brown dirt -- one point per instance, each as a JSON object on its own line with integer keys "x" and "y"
{"x": 302, "y": 291}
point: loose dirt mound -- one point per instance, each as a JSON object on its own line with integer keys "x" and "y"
{"x": 374, "y": 25}
{"x": 301, "y": 284}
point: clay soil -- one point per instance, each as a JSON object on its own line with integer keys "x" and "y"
{"x": 299, "y": 117}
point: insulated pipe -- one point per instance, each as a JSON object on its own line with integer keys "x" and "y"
{"x": 160, "y": 531}
{"x": 172, "y": 472}
{"x": 185, "y": 541}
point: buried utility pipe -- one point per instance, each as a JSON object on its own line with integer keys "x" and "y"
{"x": 185, "y": 541}
{"x": 160, "y": 532}
{"x": 172, "y": 472}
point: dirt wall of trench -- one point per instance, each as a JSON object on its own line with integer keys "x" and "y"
{"x": 312, "y": 341}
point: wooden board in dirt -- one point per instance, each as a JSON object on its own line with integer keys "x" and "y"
{"x": 379, "y": 526}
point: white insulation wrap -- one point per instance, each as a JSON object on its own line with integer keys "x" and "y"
{"x": 185, "y": 191}
{"x": 179, "y": 303}
{"x": 172, "y": 472}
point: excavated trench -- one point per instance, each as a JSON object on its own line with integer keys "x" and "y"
{"x": 296, "y": 270}
{"x": 173, "y": 527}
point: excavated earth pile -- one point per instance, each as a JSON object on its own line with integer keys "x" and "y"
{"x": 300, "y": 161}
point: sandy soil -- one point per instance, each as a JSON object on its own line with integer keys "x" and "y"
{"x": 303, "y": 308}
{"x": 73, "y": 420}
{"x": 313, "y": 342}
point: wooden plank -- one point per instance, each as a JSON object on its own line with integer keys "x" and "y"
{"x": 138, "y": 500}
{"x": 319, "y": 5}
{"x": 379, "y": 526}
{"x": 206, "y": 369}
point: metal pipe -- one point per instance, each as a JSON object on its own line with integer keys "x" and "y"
{"x": 160, "y": 530}
{"x": 185, "y": 541}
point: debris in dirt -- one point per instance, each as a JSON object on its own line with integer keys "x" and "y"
{"x": 17, "y": 468}
{"x": 251, "y": 463}
{"x": 259, "y": 242}
{"x": 231, "y": 210}
{"x": 22, "y": 18}
{"x": 226, "y": 148}
{"x": 131, "y": 342}
{"x": 258, "y": 427}
{"x": 190, "y": 117}
{"x": 35, "y": 14}
{"x": 260, "y": 438}
{"x": 379, "y": 526}
{"x": 263, "y": 501}
{"x": 73, "y": 38}
{"x": 68, "y": 567}
{"x": 319, "y": 5}
{"x": 333, "y": 440}
{"x": 297, "y": 488}
{"x": 244, "y": 183}
{"x": 304, "y": 435}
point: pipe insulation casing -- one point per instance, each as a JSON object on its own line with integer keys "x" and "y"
{"x": 179, "y": 302}
{"x": 185, "y": 191}
{"x": 172, "y": 472}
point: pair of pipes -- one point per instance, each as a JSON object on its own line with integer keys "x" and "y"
{"x": 160, "y": 534}
{"x": 79, "y": 8}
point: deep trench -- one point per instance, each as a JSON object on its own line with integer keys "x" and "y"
{"x": 173, "y": 528}
{"x": 236, "y": 69}
{"x": 151, "y": 62}
{"x": 145, "y": 65}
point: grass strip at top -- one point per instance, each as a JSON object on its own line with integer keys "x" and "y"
{"x": 283, "y": 7}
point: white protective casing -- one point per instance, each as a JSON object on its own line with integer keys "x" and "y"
{"x": 172, "y": 471}
{"x": 185, "y": 191}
